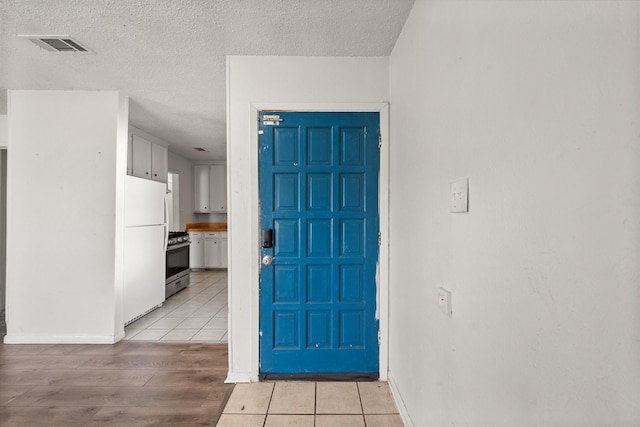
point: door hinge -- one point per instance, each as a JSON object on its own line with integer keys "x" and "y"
{"x": 379, "y": 238}
{"x": 379, "y": 337}
{"x": 379, "y": 140}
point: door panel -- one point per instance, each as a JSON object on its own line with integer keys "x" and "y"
{"x": 319, "y": 195}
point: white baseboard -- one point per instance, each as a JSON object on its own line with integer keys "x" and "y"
{"x": 397, "y": 398}
{"x": 238, "y": 377}
{"x": 65, "y": 339}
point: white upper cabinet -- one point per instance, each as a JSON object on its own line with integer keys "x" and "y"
{"x": 210, "y": 188}
{"x": 201, "y": 188}
{"x": 159, "y": 163}
{"x": 141, "y": 157}
{"x": 148, "y": 160}
{"x": 218, "y": 188}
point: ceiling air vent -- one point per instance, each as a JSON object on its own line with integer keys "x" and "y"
{"x": 199, "y": 149}
{"x": 58, "y": 44}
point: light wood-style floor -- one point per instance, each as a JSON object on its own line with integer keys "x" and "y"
{"x": 126, "y": 384}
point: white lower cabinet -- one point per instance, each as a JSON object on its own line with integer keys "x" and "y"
{"x": 208, "y": 250}
{"x": 224, "y": 249}
{"x": 215, "y": 250}
{"x": 196, "y": 250}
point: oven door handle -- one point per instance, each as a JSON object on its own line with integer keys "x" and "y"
{"x": 178, "y": 246}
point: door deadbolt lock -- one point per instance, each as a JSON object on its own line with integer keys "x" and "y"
{"x": 267, "y": 260}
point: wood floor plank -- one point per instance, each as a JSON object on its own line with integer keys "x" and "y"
{"x": 22, "y": 416}
{"x": 77, "y": 377}
{"x": 132, "y": 348}
{"x": 9, "y": 392}
{"x": 195, "y": 361}
{"x": 23, "y": 349}
{"x": 187, "y": 377}
{"x": 112, "y": 396}
{"x": 27, "y": 362}
{"x": 127, "y": 384}
{"x": 156, "y": 416}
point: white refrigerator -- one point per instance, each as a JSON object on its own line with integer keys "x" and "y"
{"x": 145, "y": 239}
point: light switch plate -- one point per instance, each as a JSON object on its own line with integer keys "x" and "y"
{"x": 460, "y": 195}
{"x": 444, "y": 301}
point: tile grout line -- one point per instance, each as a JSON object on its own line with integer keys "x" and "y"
{"x": 273, "y": 390}
{"x": 364, "y": 419}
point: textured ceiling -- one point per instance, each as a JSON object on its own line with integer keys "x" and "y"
{"x": 169, "y": 55}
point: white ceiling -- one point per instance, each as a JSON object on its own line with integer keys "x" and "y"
{"x": 169, "y": 55}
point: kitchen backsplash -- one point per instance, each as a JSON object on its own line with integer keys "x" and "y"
{"x": 211, "y": 217}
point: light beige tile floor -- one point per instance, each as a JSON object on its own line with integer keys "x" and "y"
{"x": 310, "y": 404}
{"x": 197, "y": 313}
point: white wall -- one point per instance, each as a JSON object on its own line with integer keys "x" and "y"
{"x": 64, "y": 216}
{"x": 3, "y": 238}
{"x": 537, "y": 102}
{"x": 265, "y": 81}
{"x": 4, "y": 137}
{"x": 4, "y": 132}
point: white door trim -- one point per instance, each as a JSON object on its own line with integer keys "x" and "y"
{"x": 253, "y": 305}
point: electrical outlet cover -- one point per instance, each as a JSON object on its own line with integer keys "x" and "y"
{"x": 460, "y": 195}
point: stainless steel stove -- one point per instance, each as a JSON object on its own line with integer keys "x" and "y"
{"x": 177, "y": 271}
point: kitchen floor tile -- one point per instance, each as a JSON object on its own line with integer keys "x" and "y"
{"x": 293, "y": 398}
{"x": 209, "y": 335}
{"x": 143, "y": 322}
{"x": 193, "y": 323}
{"x": 232, "y": 420}
{"x": 179, "y": 335}
{"x": 387, "y": 420}
{"x": 376, "y": 398}
{"x": 151, "y": 334}
{"x": 181, "y": 312}
{"x": 195, "y": 307}
{"x": 250, "y": 398}
{"x": 217, "y": 323}
{"x": 340, "y": 420}
{"x": 289, "y": 421}
{"x": 338, "y": 398}
{"x": 166, "y": 323}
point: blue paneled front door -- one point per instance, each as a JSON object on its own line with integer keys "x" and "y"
{"x": 319, "y": 201}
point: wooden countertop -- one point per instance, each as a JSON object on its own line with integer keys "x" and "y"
{"x": 207, "y": 226}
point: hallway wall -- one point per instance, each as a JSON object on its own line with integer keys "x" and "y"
{"x": 298, "y": 83}
{"x": 65, "y": 216}
{"x": 538, "y": 104}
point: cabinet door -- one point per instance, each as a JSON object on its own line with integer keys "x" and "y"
{"x": 218, "y": 188}
{"x": 141, "y": 154}
{"x": 224, "y": 256}
{"x": 196, "y": 252}
{"x": 211, "y": 253}
{"x": 201, "y": 188}
{"x": 159, "y": 164}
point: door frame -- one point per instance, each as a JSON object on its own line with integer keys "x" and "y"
{"x": 383, "y": 200}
